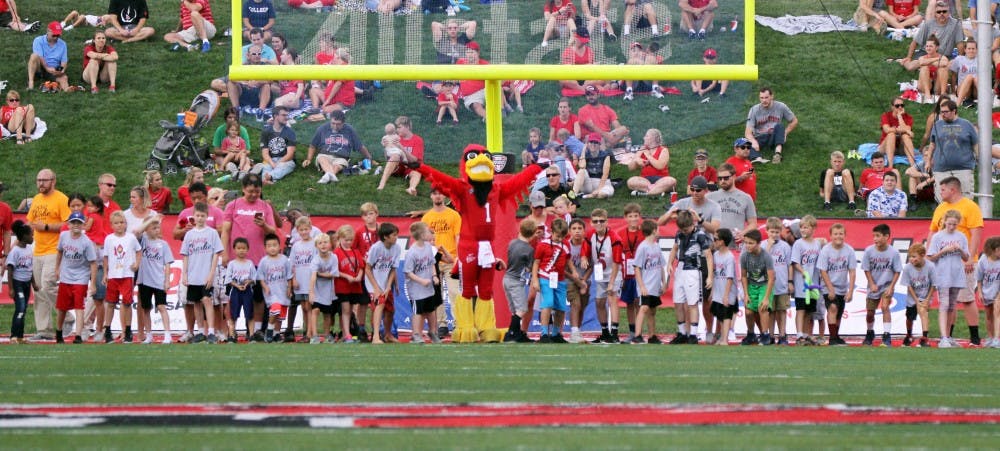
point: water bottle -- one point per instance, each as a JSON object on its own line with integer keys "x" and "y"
{"x": 366, "y": 164}
{"x": 628, "y": 142}
{"x": 224, "y": 178}
{"x": 735, "y": 23}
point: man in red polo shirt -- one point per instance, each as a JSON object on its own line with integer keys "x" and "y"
{"x": 473, "y": 92}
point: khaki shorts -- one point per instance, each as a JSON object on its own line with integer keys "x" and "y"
{"x": 872, "y": 304}
{"x": 342, "y": 162}
{"x": 780, "y": 302}
{"x": 573, "y": 294}
{"x": 190, "y": 35}
{"x": 476, "y": 97}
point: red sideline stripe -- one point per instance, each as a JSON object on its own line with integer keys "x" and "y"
{"x": 514, "y": 415}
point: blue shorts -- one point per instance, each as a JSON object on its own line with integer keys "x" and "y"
{"x": 241, "y": 300}
{"x": 629, "y": 293}
{"x": 553, "y": 298}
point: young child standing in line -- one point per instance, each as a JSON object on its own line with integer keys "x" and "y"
{"x": 606, "y": 255}
{"x": 578, "y": 289}
{"x": 650, "y": 279}
{"x": 364, "y": 237}
{"x": 988, "y": 280}
{"x": 757, "y": 271}
{"x": 520, "y": 256}
{"x": 154, "y": 278}
{"x": 690, "y": 246}
{"x": 948, "y": 250}
{"x": 380, "y": 275}
{"x": 805, "y": 253}
{"x": 836, "y": 264}
{"x": 918, "y": 278}
{"x": 322, "y": 293}
{"x": 122, "y": 255}
{"x": 882, "y": 266}
{"x": 275, "y": 275}
{"x": 201, "y": 249}
{"x": 348, "y": 285}
{"x": 551, "y": 255}
{"x": 76, "y": 264}
{"x": 781, "y": 255}
{"x": 302, "y": 255}
{"x": 724, "y": 304}
{"x": 421, "y": 280}
{"x": 240, "y": 274}
{"x": 20, "y": 263}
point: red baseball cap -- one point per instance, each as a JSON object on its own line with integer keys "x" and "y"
{"x": 55, "y": 28}
{"x": 472, "y": 46}
{"x": 594, "y": 137}
{"x": 710, "y": 54}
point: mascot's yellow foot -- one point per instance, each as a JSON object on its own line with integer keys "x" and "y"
{"x": 465, "y": 328}
{"x": 486, "y": 321}
{"x": 464, "y": 335}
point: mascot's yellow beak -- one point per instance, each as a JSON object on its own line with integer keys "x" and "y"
{"x": 479, "y": 166}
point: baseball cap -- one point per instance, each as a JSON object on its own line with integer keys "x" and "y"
{"x": 741, "y": 142}
{"x": 582, "y": 37}
{"x": 536, "y": 199}
{"x": 699, "y": 182}
{"x": 591, "y": 89}
{"x": 76, "y": 216}
{"x": 594, "y": 137}
{"x": 472, "y": 46}
{"x": 710, "y": 54}
{"x": 701, "y": 154}
{"x": 56, "y": 28}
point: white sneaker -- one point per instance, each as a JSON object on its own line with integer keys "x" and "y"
{"x": 315, "y": 341}
{"x": 545, "y": 43}
{"x": 656, "y": 93}
{"x": 628, "y": 96}
{"x": 167, "y": 339}
{"x": 148, "y": 340}
{"x": 945, "y": 342}
{"x": 324, "y": 179}
{"x": 731, "y": 336}
{"x": 576, "y": 337}
{"x": 417, "y": 339}
{"x": 185, "y": 338}
{"x": 333, "y": 178}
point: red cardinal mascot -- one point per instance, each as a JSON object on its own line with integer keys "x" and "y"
{"x": 481, "y": 202}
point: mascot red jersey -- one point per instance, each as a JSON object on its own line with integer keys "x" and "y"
{"x": 481, "y": 202}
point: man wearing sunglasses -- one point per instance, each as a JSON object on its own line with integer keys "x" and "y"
{"x": 739, "y": 214}
{"x": 766, "y": 126}
{"x": 947, "y": 29}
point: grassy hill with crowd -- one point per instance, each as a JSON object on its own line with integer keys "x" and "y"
{"x": 836, "y": 83}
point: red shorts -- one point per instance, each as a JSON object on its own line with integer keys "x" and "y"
{"x": 71, "y": 296}
{"x": 278, "y": 310}
{"x": 119, "y": 288}
{"x": 386, "y": 301}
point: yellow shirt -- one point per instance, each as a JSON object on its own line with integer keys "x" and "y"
{"x": 49, "y": 208}
{"x": 445, "y": 226}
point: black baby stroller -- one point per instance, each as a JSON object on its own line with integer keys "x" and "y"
{"x": 180, "y": 147}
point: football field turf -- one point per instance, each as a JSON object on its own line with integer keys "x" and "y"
{"x": 926, "y": 379}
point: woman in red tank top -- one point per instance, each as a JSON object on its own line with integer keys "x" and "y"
{"x": 653, "y": 160}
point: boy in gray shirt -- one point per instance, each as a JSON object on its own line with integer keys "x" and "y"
{"x": 380, "y": 278}
{"x": 882, "y": 266}
{"x": 76, "y": 264}
{"x": 200, "y": 250}
{"x": 651, "y": 279}
{"x": 520, "y": 257}
{"x": 836, "y": 265}
{"x": 757, "y": 269}
{"x": 275, "y": 274}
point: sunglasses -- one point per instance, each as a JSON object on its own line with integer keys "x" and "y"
{"x": 746, "y": 146}
{"x": 552, "y": 175}
{"x": 254, "y": 54}
{"x": 110, "y": 185}
{"x": 899, "y": 105}
{"x": 697, "y": 190}
{"x": 942, "y": 12}
{"x": 13, "y": 100}
{"x": 724, "y": 177}
{"x": 598, "y": 221}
